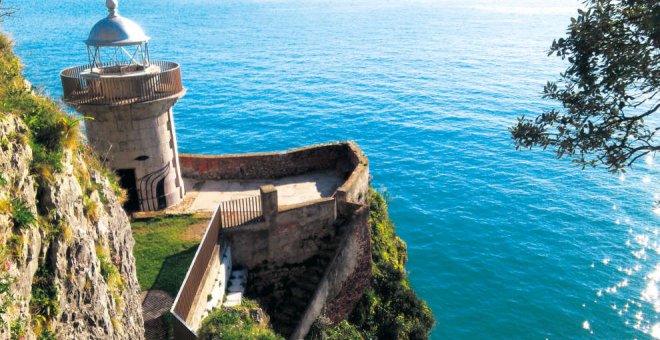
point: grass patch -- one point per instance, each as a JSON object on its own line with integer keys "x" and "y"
{"x": 162, "y": 255}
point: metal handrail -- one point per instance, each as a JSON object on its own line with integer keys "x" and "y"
{"x": 125, "y": 89}
{"x": 240, "y": 211}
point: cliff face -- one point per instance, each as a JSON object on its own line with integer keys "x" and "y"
{"x": 72, "y": 273}
{"x": 66, "y": 264}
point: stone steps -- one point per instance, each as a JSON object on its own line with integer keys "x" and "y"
{"x": 236, "y": 287}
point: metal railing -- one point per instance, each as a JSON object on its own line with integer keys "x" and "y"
{"x": 228, "y": 214}
{"x": 125, "y": 88}
{"x": 240, "y": 211}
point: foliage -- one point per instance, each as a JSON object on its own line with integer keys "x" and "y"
{"x": 609, "y": 91}
{"x": 236, "y": 323}
{"x": 342, "y": 331}
{"x": 44, "y": 305}
{"x": 21, "y": 215}
{"x": 47, "y": 335}
{"x": 6, "y": 296}
{"x": 162, "y": 252}
{"x": 17, "y": 329}
{"x": 109, "y": 270}
{"x": 90, "y": 208}
{"x": 112, "y": 277}
{"x": 53, "y": 136}
{"x": 390, "y": 309}
{"x": 51, "y": 131}
{"x": 14, "y": 246}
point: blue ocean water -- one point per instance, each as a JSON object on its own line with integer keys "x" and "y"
{"x": 502, "y": 243}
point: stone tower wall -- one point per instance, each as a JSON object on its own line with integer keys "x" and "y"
{"x": 141, "y": 137}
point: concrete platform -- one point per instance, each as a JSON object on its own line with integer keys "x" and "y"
{"x": 204, "y": 196}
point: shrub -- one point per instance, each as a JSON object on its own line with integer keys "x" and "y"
{"x": 21, "y": 215}
{"x": 236, "y": 323}
{"x": 342, "y": 331}
{"x": 390, "y": 309}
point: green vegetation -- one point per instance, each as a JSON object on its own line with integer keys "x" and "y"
{"x": 390, "y": 309}
{"x": 50, "y": 130}
{"x": 162, "y": 252}
{"x": 17, "y": 329}
{"x": 44, "y": 305}
{"x": 53, "y": 137}
{"x": 6, "y": 297}
{"x": 246, "y": 321}
{"x": 112, "y": 276}
{"x": 21, "y": 216}
{"x": 610, "y": 90}
{"x": 321, "y": 330}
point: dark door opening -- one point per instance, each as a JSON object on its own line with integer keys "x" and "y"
{"x": 128, "y": 182}
{"x": 160, "y": 193}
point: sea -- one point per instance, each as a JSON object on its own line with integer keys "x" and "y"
{"x": 502, "y": 244}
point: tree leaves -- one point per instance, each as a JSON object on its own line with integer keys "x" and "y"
{"x": 608, "y": 91}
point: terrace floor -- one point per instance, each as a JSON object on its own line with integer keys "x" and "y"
{"x": 204, "y": 195}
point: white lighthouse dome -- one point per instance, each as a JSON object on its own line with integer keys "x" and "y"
{"x": 115, "y": 30}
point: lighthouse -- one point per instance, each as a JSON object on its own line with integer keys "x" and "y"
{"x": 128, "y": 99}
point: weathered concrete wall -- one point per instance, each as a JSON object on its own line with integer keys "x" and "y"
{"x": 299, "y": 229}
{"x": 356, "y": 187}
{"x": 250, "y": 245}
{"x": 270, "y": 165}
{"x": 347, "y": 276}
{"x": 217, "y": 274}
{"x": 293, "y": 235}
{"x": 141, "y": 137}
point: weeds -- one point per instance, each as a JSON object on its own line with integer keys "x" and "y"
{"x": 21, "y": 215}
{"x": 44, "y": 305}
{"x": 90, "y": 208}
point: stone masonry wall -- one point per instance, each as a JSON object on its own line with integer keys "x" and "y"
{"x": 346, "y": 277}
{"x": 268, "y": 165}
{"x": 293, "y": 237}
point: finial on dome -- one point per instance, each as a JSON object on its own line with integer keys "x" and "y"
{"x": 112, "y": 7}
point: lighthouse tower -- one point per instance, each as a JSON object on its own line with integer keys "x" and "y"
{"x": 128, "y": 99}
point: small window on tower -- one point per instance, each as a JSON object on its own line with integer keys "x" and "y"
{"x": 142, "y": 158}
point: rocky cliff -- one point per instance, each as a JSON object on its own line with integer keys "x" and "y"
{"x": 66, "y": 264}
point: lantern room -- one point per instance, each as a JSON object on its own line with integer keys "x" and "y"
{"x": 117, "y": 44}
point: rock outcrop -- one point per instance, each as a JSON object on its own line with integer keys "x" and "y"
{"x": 67, "y": 269}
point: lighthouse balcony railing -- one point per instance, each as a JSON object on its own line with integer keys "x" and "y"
{"x": 163, "y": 80}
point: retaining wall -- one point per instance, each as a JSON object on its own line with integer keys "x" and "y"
{"x": 291, "y": 240}
{"x": 346, "y": 278}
